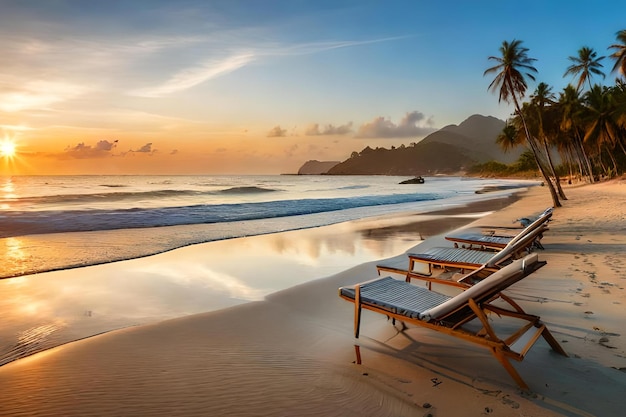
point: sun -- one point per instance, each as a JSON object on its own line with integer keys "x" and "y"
{"x": 7, "y": 148}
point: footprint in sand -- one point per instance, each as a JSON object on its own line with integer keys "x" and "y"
{"x": 506, "y": 400}
{"x": 604, "y": 341}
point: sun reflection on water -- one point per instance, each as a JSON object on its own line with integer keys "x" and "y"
{"x": 7, "y": 190}
{"x": 13, "y": 254}
{"x": 43, "y": 310}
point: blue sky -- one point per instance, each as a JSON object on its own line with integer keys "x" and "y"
{"x": 151, "y": 86}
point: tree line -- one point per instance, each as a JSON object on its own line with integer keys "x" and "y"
{"x": 585, "y": 123}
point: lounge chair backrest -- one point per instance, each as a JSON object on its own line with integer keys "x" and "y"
{"x": 511, "y": 249}
{"x": 524, "y": 239}
{"x": 485, "y": 289}
{"x": 539, "y": 222}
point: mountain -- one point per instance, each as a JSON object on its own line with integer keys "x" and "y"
{"x": 449, "y": 150}
{"x": 314, "y": 167}
{"x": 480, "y": 133}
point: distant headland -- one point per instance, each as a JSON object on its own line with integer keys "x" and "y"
{"x": 451, "y": 150}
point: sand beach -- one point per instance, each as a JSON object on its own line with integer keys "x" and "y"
{"x": 292, "y": 353}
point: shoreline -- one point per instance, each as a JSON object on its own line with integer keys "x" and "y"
{"x": 41, "y": 253}
{"x": 293, "y": 352}
{"x": 207, "y": 276}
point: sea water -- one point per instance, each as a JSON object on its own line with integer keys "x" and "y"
{"x": 160, "y": 213}
{"x": 34, "y": 205}
{"x": 78, "y": 226}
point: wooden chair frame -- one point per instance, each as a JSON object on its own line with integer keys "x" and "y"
{"x": 478, "y": 306}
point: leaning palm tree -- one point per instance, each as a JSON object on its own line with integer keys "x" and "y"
{"x": 540, "y": 101}
{"x": 585, "y": 65}
{"x": 511, "y": 68}
{"x": 572, "y": 110}
{"x": 620, "y": 53}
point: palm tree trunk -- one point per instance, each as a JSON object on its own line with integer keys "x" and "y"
{"x": 576, "y": 157}
{"x": 586, "y": 159}
{"x": 551, "y": 165}
{"x": 571, "y": 160}
{"x": 613, "y": 161}
{"x": 535, "y": 149}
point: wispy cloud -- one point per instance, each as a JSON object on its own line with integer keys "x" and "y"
{"x": 193, "y": 76}
{"x": 15, "y": 128}
{"x": 38, "y": 94}
{"x": 213, "y": 68}
{"x": 317, "y": 47}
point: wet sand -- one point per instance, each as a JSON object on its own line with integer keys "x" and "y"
{"x": 41, "y": 311}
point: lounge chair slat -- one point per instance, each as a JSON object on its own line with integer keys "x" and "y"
{"x": 397, "y": 296}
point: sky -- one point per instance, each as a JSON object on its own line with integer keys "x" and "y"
{"x": 261, "y": 86}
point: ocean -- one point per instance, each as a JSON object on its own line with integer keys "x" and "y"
{"x": 61, "y": 238}
{"x": 35, "y": 205}
{"x": 160, "y": 213}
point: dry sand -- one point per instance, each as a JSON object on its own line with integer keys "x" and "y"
{"x": 293, "y": 354}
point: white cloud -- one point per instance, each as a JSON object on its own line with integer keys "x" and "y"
{"x": 81, "y": 151}
{"x": 37, "y": 95}
{"x": 15, "y": 128}
{"x": 193, "y": 76}
{"x": 277, "y": 132}
{"x": 412, "y": 124}
{"x": 315, "y": 130}
{"x": 147, "y": 148}
{"x": 316, "y": 47}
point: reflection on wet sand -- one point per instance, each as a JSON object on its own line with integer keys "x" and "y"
{"x": 44, "y": 310}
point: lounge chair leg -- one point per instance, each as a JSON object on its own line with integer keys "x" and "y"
{"x": 357, "y": 310}
{"x": 510, "y": 369}
{"x": 552, "y": 342}
{"x": 357, "y": 350}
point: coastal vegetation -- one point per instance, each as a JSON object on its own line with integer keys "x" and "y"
{"x": 585, "y": 123}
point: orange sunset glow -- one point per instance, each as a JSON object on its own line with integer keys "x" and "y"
{"x": 161, "y": 87}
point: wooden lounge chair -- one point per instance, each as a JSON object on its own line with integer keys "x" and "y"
{"x": 461, "y": 259}
{"x": 408, "y": 303}
{"x": 474, "y": 259}
{"x": 495, "y": 238}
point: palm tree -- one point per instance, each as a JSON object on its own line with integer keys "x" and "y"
{"x": 619, "y": 92}
{"x": 585, "y": 65}
{"x": 571, "y": 111}
{"x": 602, "y": 125}
{"x": 510, "y": 69}
{"x": 508, "y": 138}
{"x": 620, "y": 53}
{"x": 542, "y": 98}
